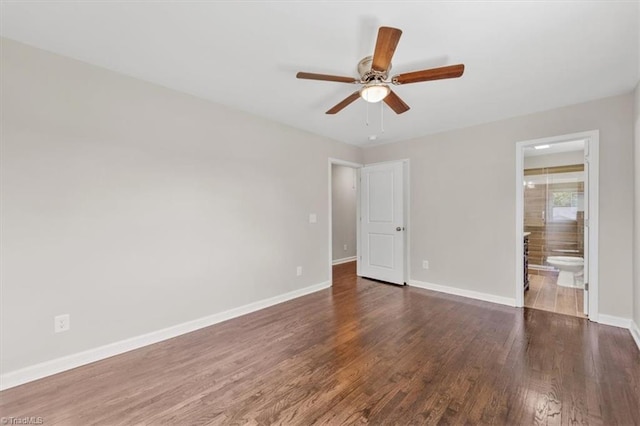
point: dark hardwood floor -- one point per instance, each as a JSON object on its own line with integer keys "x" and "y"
{"x": 359, "y": 352}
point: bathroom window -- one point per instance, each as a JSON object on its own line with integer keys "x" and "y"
{"x": 564, "y": 205}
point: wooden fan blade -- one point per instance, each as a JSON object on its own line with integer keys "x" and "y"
{"x": 451, "y": 71}
{"x": 385, "y": 47}
{"x": 325, "y": 77}
{"x": 395, "y": 103}
{"x": 349, "y": 99}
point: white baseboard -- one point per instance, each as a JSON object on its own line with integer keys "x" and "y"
{"x": 635, "y": 333}
{"x": 344, "y": 260}
{"x": 464, "y": 293}
{"x": 614, "y": 321}
{"x": 48, "y": 368}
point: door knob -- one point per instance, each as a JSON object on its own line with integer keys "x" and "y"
{"x": 399, "y": 229}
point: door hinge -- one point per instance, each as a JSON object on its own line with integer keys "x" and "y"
{"x": 586, "y": 286}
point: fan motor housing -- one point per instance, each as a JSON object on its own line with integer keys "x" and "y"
{"x": 367, "y": 74}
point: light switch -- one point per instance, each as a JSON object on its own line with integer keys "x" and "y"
{"x": 313, "y": 218}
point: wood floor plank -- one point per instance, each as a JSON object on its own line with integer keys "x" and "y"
{"x": 361, "y": 352}
{"x": 547, "y": 297}
{"x": 531, "y": 295}
{"x": 580, "y": 303}
{"x": 566, "y": 301}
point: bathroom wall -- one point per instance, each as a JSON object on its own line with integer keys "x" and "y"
{"x": 553, "y": 160}
{"x": 343, "y": 211}
{"x": 549, "y": 237}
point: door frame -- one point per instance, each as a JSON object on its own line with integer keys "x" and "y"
{"x": 593, "y": 137}
{"x": 357, "y": 167}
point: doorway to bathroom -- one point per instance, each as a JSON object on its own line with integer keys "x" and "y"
{"x": 556, "y": 224}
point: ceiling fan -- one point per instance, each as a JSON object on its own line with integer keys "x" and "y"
{"x": 374, "y": 74}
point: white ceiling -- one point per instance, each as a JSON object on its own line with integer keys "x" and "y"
{"x": 520, "y": 57}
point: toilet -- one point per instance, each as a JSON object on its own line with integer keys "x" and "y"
{"x": 571, "y": 270}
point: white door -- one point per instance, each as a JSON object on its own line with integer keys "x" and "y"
{"x": 586, "y": 228}
{"x": 382, "y": 224}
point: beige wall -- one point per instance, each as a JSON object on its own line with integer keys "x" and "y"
{"x": 636, "y": 228}
{"x": 463, "y": 198}
{"x": 343, "y": 206}
{"x": 133, "y": 207}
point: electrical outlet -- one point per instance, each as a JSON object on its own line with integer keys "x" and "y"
{"x": 299, "y": 271}
{"x": 345, "y": 247}
{"x": 61, "y": 323}
{"x": 425, "y": 264}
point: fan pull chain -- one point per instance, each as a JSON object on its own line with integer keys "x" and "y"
{"x": 367, "y": 107}
{"x": 381, "y": 116}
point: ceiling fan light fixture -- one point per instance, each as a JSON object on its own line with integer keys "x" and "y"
{"x": 374, "y": 75}
{"x": 374, "y": 92}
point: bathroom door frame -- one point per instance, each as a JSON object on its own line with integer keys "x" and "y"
{"x": 592, "y": 152}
